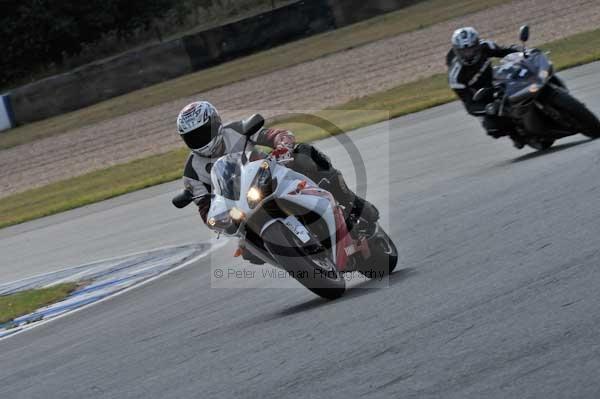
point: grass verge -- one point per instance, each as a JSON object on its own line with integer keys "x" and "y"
{"x": 412, "y": 97}
{"x": 25, "y": 302}
{"x": 415, "y": 17}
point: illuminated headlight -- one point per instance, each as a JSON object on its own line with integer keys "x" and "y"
{"x": 261, "y": 187}
{"x": 534, "y": 88}
{"x": 254, "y": 195}
{"x": 212, "y": 222}
{"x": 236, "y": 214}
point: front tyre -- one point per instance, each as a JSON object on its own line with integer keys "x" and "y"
{"x": 313, "y": 269}
{"x": 574, "y": 112}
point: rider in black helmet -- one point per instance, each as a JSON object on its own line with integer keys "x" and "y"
{"x": 470, "y": 69}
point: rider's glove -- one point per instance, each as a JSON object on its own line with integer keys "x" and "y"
{"x": 282, "y": 138}
{"x": 283, "y": 144}
{"x": 283, "y": 154}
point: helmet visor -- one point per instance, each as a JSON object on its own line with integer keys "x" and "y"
{"x": 199, "y": 137}
{"x": 469, "y": 55}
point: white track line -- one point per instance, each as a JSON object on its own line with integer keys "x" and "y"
{"x": 114, "y": 258}
{"x": 214, "y": 246}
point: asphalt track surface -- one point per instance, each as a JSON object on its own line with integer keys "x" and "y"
{"x": 496, "y": 295}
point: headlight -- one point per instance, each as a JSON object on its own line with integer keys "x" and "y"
{"x": 534, "y": 88}
{"x": 254, "y": 195}
{"x": 224, "y": 222}
{"x": 236, "y": 214}
{"x": 262, "y": 186}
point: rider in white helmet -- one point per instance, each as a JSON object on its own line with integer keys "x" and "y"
{"x": 470, "y": 69}
{"x": 199, "y": 125}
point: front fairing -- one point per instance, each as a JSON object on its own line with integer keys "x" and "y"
{"x": 226, "y": 174}
{"x": 219, "y": 218}
{"x": 232, "y": 181}
{"x": 227, "y": 179}
{"x": 523, "y": 75}
{"x": 294, "y": 193}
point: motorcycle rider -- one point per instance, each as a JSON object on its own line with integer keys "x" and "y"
{"x": 199, "y": 125}
{"x": 470, "y": 69}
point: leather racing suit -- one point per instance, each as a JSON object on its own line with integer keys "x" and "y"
{"x": 466, "y": 80}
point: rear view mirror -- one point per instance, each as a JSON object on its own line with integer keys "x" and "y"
{"x": 252, "y": 125}
{"x": 524, "y": 33}
{"x": 182, "y": 199}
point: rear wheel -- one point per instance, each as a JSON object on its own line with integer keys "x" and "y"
{"x": 540, "y": 144}
{"x": 574, "y": 112}
{"x": 384, "y": 255}
{"x": 313, "y": 269}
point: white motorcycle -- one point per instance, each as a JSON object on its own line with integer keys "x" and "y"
{"x": 288, "y": 221}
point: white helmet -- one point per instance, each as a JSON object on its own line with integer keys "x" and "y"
{"x": 466, "y": 45}
{"x": 199, "y": 125}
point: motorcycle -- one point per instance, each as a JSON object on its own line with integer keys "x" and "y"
{"x": 527, "y": 90}
{"x": 287, "y": 220}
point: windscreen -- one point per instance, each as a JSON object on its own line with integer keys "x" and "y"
{"x": 226, "y": 173}
{"x": 516, "y": 72}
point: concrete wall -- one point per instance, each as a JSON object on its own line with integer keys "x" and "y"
{"x": 108, "y": 78}
{"x": 347, "y": 12}
{"x": 282, "y": 25}
{"x": 99, "y": 81}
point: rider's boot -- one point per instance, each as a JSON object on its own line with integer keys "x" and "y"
{"x": 518, "y": 140}
{"x": 355, "y": 207}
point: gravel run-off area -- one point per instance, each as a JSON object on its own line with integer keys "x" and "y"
{"x": 313, "y": 85}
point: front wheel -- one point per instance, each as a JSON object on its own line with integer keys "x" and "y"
{"x": 574, "y": 112}
{"x": 313, "y": 269}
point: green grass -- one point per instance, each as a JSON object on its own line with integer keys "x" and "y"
{"x": 401, "y": 100}
{"x": 25, "y": 302}
{"x": 415, "y": 17}
{"x": 91, "y": 187}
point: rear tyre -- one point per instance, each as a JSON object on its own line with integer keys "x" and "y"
{"x": 541, "y": 144}
{"x": 384, "y": 255}
{"x": 315, "y": 271}
{"x": 575, "y": 112}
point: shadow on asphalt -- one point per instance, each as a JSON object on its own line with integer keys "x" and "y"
{"x": 356, "y": 291}
{"x": 556, "y": 148}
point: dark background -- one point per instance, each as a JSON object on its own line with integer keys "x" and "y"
{"x": 39, "y": 33}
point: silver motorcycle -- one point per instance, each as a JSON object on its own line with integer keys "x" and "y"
{"x": 287, "y": 220}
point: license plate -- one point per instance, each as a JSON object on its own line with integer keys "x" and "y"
{"x": 297, "y": 228}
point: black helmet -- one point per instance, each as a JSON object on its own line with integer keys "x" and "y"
{"x": 199, "y": 125}
{"x": 467, "y": 46}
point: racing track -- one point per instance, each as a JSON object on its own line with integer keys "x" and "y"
{"x": 496, "y": 296}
